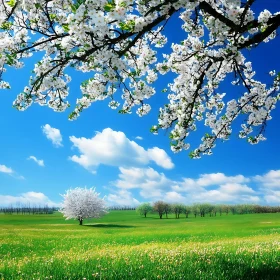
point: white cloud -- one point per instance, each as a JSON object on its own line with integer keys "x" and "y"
{"x": 173, "y": 197}
{"x": 229, "y": 193}
{"x": 139, "y": 138}
{"x": 213, "y": 196}
{"x": 222, "y": 196}
{"x": 53, "y": 134}
{"x": 40, "y": 162}
{"x": 269, "y": 185}
{"x": 220, "y": 178}
{"x": 10, "y": 171}
{"x": 187, "y": 185}
{"x": 153, "y": 194}
{"x": 234, "y": 188}
{"x": 122, "y": 197}
{"x": 113, "y": 148}
{"x": 254, "y": 199}
{"x": 271, "y": 179}
{"x": 28, "y": 198}
{"x": 150, "y": 182}
{"x": 160, "y": 157}
{"x": 131, "y": 178}
{"x": 154, "y": 186}
{"x": 5, "y": 169}
{"x": 273, "y": 197}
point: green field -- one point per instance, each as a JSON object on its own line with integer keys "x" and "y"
{"x": 123, "y": 245}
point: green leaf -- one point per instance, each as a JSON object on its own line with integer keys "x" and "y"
{"x": 109, "y": 7}
{"x": 127, "y": 26}
{"x": 154, "y": 129}
{"x": 263, "y": 28}
{"x": 192, "y": 155}
{"x": 6, "y": 25}
{"x": 122, "y": 111}
{"x": 10, "y": 59}
{"x": 52, "y": 16}
{"x": 123, "y": 4}
{"x": 65, "y": 27}
{"x": 12, "y": 3}
{"x": 73, "y": 8}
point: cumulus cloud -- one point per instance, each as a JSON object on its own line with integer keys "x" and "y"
{"x": 160, "y": 157}
{"x": 270, "y": 180}
{"x": 53, "y": 134}
{"x": 130, "y": 178}
{"x": 139, "y": 138}
{"x": 234, "y": 188}
{"x": 220, "y": 178}
{"x": 272, "y": 197}
{"x": 40, "y": 162}
{"x": 122, "y": 197}
{"x": 152, "y": 185}
{"x": 269, "y": 186}
{"x": 28, "y": 198}
{"x": 222, "y": 196}
{"x": 173, "y": 197}
{"x": 113, "y": 148}
{"x": 5, "y": 169}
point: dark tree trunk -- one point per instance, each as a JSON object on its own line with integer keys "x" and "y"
{"x": 145, "y": 215}
{"x": 81, "y": 222}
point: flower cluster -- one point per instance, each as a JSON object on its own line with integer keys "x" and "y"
{"x": 117, "y": 42}
{"x": 82, "y": 203}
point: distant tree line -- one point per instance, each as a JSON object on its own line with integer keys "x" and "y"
{"x": 28, "y": 209}
{"x": 163, "y": 209}
{"x": 121, "y": 207}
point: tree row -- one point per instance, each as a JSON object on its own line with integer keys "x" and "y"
{"x": 163, "y": 209}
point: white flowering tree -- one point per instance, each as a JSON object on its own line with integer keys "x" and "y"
{"x": 82, "y": 203}
{"x": 117, "y": 41}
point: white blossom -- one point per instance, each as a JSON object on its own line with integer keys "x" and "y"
{"x": 82, "y": 203}
{"x": 117, "y": 43}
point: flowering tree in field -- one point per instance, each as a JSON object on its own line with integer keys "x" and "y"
{"x": 117, "y": 41}
{"x": 82, "y": 203}
{"x": 144, "y": 209}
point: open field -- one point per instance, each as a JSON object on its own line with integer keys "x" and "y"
{"x": 123, "y": 245}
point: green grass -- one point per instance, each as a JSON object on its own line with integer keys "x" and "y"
{"x": 123, "y": 245}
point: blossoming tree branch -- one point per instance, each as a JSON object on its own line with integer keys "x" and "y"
{"x": 117, "y": 41}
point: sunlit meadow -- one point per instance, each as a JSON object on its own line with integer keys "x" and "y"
{"x": 123, "y": 245}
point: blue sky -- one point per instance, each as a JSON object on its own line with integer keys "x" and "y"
{"x": 42, "y": 154}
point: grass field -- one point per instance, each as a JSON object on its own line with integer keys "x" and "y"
{"x": 123, "y": 245}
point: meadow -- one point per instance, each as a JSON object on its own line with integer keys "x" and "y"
{"x": 124, "y": 245}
